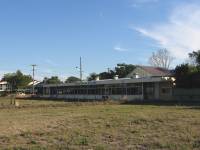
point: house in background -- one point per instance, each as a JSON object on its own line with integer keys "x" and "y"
{"x": 29, "y": 88}
{"x": 35, "y": 83}
{"x": 149, "y": 71}
{"x": 159, "y": 90}
{"x": 4, "y": 87}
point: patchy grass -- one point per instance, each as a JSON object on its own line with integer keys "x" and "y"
{"x": 60, "y": 125}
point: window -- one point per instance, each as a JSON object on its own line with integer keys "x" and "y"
{"x": 118, "y": 91}
{"x": 166, "y": 90}
{"x": 149, "y": 90}
{"x": 53, "y": 91}
{"x": 134, "y": 90}
{"x": 60, "y": 92}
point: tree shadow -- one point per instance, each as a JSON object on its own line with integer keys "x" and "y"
{"x": 188, "y": 103}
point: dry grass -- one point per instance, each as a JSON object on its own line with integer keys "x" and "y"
{"x": 60, "y": 125}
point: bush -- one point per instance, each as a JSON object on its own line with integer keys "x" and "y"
{"x": 3, "y": 94}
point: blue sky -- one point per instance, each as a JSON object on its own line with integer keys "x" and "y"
{"x": 54, "y": 33}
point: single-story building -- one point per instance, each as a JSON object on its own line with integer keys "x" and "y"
{"x": 144, "y": 83}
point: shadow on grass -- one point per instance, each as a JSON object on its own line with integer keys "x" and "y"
{"x": 189, "y": 104}
{"x": 65, "y": 100}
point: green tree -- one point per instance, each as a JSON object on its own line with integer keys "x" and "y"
{"x": 195, "y": 57}
{"x": 72, "y": 79}
{"x": 18, "y": 80}
{"x": 187, "y": 76}
{"x": 92, "y": 76}
{"x": 107, "y": 75}
{"x": 122, "y": 70}
{"x": 52, "y": 80}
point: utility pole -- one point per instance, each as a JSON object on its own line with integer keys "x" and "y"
{"x": 80, "y": 69}
{"x": 108, "y": 70}
{"x": 33, "y": 88}
{"x": 81, "y": 72}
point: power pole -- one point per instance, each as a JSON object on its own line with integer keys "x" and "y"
{"x": 33, "y": 88}
{"x": 80, "y": 69}
{"x": 108, "y": 70}
{"x": 81, "y": 72}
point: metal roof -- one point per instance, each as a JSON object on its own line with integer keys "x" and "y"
{"x": 113, "y": 81}
{"x": 151, "y": 71}
{"x": 156, "y": 71}
{"x": 3, "y": 82}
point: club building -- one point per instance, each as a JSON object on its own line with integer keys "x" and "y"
{"x": 143, "y": 83}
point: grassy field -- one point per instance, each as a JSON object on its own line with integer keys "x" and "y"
{"x": 61, "y": 125}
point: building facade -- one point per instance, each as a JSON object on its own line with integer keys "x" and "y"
{"x": 120, "y": 89}
{"x": 144, "y": 83}
{"x": 4, "y": 87}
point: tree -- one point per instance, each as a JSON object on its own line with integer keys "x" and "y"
{"x": 161, "y": 58}
{"x": 107, "y": 75}
{"x": 52, "y": 80}
{"x": 195, "y": 57}
{"x": 11, "y": 79}
{"x": 18, "y": 80}
{"x": 72, "y": 79}
{"x": 92, "y": 76}
{"x": 122, "y": 70}
{"x": 187, "y": 76}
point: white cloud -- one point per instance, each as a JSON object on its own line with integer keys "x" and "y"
{"x": 137, "y": 3}
{"x": 120, "y": 49}
{"x": 180, "y": 34}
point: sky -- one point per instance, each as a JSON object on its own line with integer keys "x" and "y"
{"x": 54, "y": 33}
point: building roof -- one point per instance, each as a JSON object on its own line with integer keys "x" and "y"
{"x": 113, "y": 81}
{"x": 156, "y": 71}
{"x": 3, "y": 82}
{"x": 149, "y": 71}
{"x": 35, "y": 83}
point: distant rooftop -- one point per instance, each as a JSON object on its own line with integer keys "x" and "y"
{"x": 3, "y": 82}
{"x": 35, "y": 83}
{"x": 149, "y": 71}
{"x": 156, "y": 71}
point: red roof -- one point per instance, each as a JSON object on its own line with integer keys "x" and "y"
{"x": 156, "y": 71}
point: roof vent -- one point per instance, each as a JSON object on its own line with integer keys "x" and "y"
{"x": 116, "y": 77}
{"x": 97, "y": 78}
{"x": 136, "y": 76}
